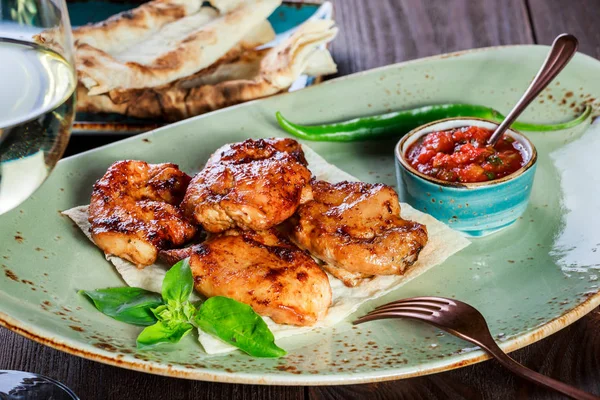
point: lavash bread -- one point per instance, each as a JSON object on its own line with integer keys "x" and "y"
{"x": 261, "y": 73}
{"x": 176, "y": 50}
{"x": 173, "y": 59}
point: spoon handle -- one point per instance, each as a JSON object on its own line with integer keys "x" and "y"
{"x": 563, "y": 49}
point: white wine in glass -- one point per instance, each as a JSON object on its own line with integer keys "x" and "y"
{"x": 37, "y": 94}
{"x": 37, "y": 100}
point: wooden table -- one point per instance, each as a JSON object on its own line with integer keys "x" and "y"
{"x": 375, "y": 33}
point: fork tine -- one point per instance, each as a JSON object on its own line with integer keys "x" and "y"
{"x": 424, "y": 313}
{"x": 435, "y": 301}
{"x": 403, "y": 307}
{"x": 389, "y": 314}
{"x": 434, "y": 306}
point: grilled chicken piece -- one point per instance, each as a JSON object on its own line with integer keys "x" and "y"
{"x": 356, "y": 226}
{"x": 262, "y": 269}
{"x": 134, "y": 213}
{"x": 255, "y": 184}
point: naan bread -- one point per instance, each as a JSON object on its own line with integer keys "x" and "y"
{"x": 143, "y": 48}
{"x": 443, "y": 242}
{"x": 254, "y": 74}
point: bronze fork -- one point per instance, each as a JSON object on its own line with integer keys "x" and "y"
{"x": 465, "y": 322}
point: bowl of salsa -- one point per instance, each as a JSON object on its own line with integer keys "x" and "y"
{"x": 447, "y": 169}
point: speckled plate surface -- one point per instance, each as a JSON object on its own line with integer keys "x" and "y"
{"x": 529, "y": 280}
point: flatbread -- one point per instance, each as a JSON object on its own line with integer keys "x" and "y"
{"x": 289, "y": 59}
{"x": 320, "y": 63}
{"x": 124, "y": 30}
{"x": 246, "y": 66}
{"x": 443, "y": 242}
{"x": 225, "y": 5}
{"x": 263, "y": 73}
{"x": 243, "y": 54}
{"x": 163, "y": 49}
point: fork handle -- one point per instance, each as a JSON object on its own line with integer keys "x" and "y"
{"x": 493, "y": 349}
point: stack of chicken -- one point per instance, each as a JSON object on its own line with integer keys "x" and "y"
{"x": 173, "y": 59}
{"x": 273, "y": 230}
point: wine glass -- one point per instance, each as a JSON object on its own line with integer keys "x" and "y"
{"x": 37, "y": 102}
{"x": 17, "y": 385}
{"x": 37, "y": 94}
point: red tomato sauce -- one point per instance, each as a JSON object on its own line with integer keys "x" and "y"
{"x": 462, "y": 155}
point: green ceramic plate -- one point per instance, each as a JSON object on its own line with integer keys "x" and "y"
{"x": 529, "y": 280}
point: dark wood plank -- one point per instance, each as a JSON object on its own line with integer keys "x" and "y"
{"x": 553, "y": 17}
{"x": 376, "y": 33}
{"x": 92, "y": 380}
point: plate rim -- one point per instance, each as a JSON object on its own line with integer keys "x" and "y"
{"x": 474, "y": 357}
{"x": 74, "y": 347}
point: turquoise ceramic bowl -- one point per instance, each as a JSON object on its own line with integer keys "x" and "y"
{"x": 475, "y": 209}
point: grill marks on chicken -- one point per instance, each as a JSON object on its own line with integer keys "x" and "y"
{"x": 262, "y": 269}
{"x": 139, "y": 210}
{"x": 255, "y": 184}
{"x": 133, "y": 210}
{"x": 357, "y": 229}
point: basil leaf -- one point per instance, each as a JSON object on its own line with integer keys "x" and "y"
{"x": 178, "y": 283}
{"x": 126, "y": 304}
{"x": 162, "y": 312}
{"x": 163, "y": 332}
{"x": 188, "y": 310}
{"x": 237, "y": 324}
{"x": 175, "y": 312}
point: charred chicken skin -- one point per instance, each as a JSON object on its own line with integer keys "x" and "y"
{"x": 262, "y": 269}
{"x": 133, "y": 211}
{"x": 255, "y": 185}
{"x": 356, "y": 228}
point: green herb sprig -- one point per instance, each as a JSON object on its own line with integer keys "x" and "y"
{"x": 171, "y": 316}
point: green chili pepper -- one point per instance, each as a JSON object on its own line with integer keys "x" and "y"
{"x": 396, "y": 124}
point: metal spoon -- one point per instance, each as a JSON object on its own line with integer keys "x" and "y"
{"x": 563, "y": 49}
